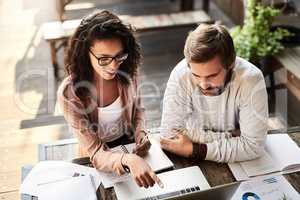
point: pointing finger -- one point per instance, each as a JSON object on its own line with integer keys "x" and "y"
{"x": 157, "y": 180}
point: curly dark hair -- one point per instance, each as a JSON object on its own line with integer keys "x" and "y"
{"x": 97, "y": 26}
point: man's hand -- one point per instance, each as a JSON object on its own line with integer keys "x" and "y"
{"x": 141, "y": 171}
{"x": 180, "y": 145}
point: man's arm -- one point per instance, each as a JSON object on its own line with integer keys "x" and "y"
{"x": 220, "y": 146}
{"x": 177, "y": 104}
{"x": 249, "y": 142}
{"x": 253, "y": 117}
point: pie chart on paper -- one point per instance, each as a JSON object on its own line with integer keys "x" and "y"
{"x": 250, "y": 196}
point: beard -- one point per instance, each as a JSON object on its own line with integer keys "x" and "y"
{"x": 217, "y": 90}
{"x": 212, "y": 91}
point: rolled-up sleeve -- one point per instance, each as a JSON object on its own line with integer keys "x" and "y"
{"x": 253, "y": 116}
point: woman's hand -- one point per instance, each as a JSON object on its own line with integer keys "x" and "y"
{"x": 142, "y": 147}
{"x": 141, "y": 171}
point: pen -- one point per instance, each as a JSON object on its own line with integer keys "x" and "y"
{"x": 145, "y": 137}
{"x": 124, "y": 149}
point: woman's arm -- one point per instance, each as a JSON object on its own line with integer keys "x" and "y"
{"x": 138, "y": 114}
{"x": 142, "y": 142}
{"x": 74, "y": 113}
{"x": 100, "y": 156}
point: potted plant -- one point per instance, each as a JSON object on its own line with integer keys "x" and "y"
{"x": 255, "y": 40}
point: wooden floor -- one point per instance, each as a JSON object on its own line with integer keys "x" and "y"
{"x": 19, "y": 148}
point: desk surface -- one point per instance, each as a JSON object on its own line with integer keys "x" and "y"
{"x": 215, "y": 173}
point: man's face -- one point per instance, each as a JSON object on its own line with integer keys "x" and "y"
{"x": 210, "y": 76}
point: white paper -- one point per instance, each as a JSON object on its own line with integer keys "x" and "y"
{"x": 260, "y": 166}
{"x": 75, "y": 188}
{"x": 267, "y": 188}
{"x": 49, "y": 171}
{"x": 283, "y": 150}
{"x": 238, "y": 172}
{"x": 281, "y": 155}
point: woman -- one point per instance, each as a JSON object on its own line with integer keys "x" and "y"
{"x": 99, "y": 97}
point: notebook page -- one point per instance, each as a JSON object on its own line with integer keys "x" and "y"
{"x": 156, "y": 158}
{"x": 283, "y": 150}
{"x": 260, "y": 166}
{"x": 237, "y": 171}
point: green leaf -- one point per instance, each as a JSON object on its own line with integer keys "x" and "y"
{"x": 254, "y": 39}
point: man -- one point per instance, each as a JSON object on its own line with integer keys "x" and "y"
{"x": 215, "y": 104}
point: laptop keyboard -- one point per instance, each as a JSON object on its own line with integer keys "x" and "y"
{"x": 172, "y": 194}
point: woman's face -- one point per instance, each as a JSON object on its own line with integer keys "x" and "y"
{"x": 106, "y": 57}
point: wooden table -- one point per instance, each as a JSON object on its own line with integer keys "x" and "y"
{"x": 215, "y": 173}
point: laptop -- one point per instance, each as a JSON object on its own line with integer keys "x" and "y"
{"x": 176, "y": 182}
{"x": 222, "y": 192}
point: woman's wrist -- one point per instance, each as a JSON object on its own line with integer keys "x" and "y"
{"x": 124, "y": 162}
{"x": 127, "y": 159}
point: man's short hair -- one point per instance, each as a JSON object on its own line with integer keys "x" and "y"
{"x": 208, "y": 41}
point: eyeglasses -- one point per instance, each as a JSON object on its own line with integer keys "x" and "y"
{"x": 106, "y": 60}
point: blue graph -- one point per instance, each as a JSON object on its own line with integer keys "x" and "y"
{"x": 250, "y": 194}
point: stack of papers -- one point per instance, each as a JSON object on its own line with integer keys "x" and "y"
{"x": 281, "y": 155}
{"x": 72, "y": 181}
{"x": 61, "y": 180}
{"x": 70, "y": 189}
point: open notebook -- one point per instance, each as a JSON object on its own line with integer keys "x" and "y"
{"x": 156, "y": 158}
{"x": 281, "y": 154}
